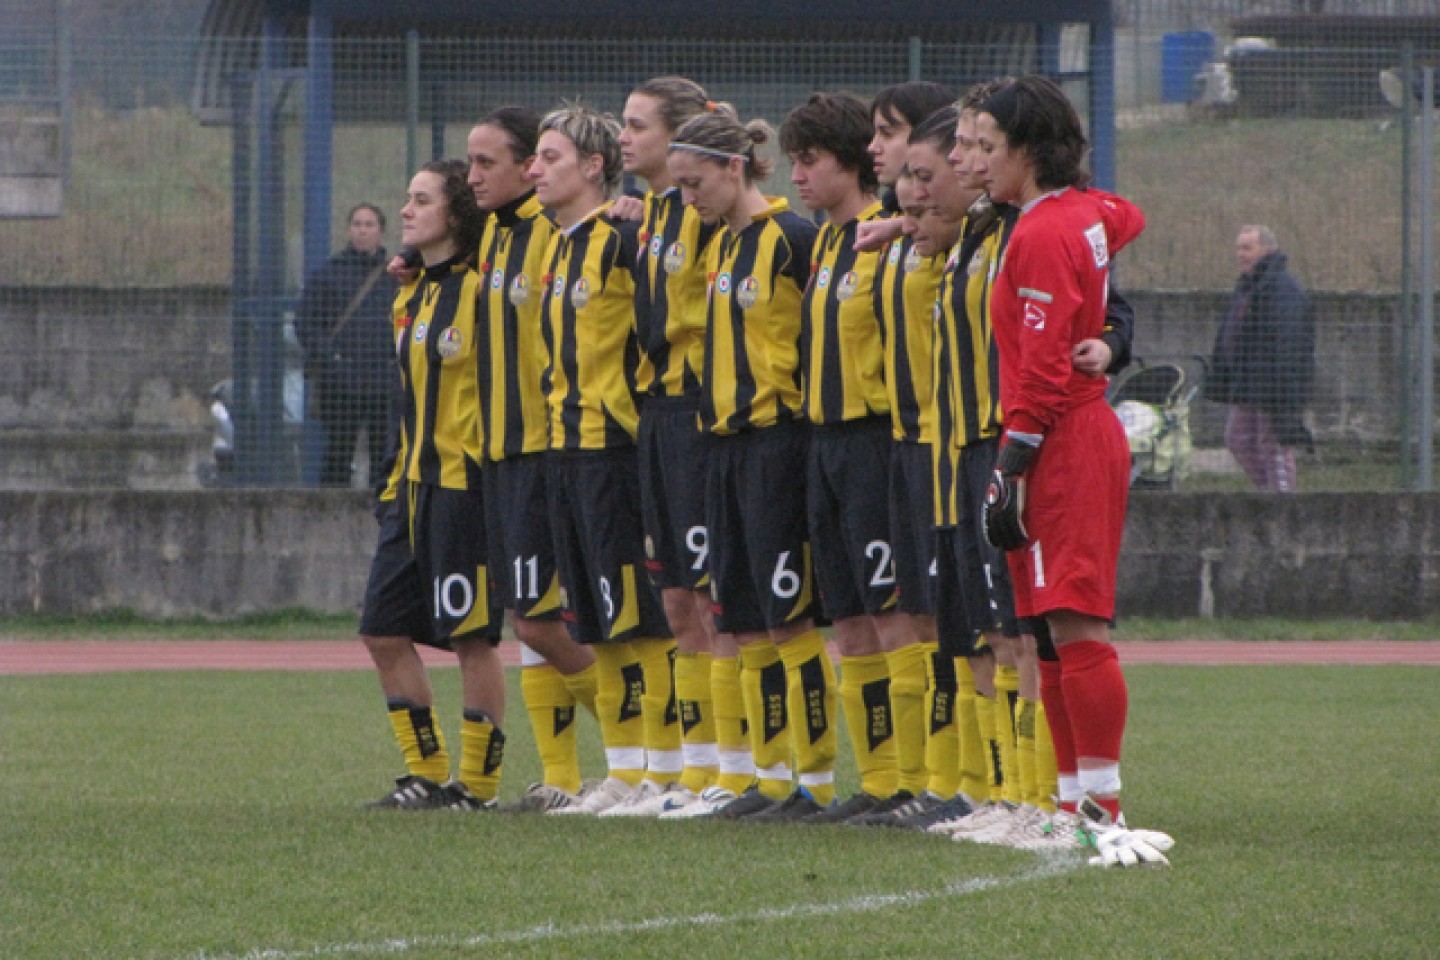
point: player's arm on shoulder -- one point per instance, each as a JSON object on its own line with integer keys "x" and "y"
{"x": 874, "y": 235}
{"x": 627, "y": 207}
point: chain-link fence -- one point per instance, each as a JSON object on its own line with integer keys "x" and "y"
{"x": 154, "y": 309}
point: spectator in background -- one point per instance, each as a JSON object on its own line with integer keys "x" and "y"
{"x": 343, "y": 321}
{"x": 1264, "y": 363}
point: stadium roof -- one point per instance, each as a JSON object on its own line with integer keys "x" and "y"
{"x": 231, "y": 30}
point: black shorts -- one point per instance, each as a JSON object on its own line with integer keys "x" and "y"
{"x": 760, "y": 575}
{"x": 522, "y": 548}
{"x": 957, "y": 638}
{"x": 912, "y": 526}
{"x": 599, "y": 547}
{"x": 448, "y": 540}
{"x": 846, "y": 484}
{"x": 394, "y": 602}
{"x": 984, "y": 576}
{"x": 672, "y": 453}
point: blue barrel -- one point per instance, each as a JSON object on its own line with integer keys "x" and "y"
{"x": 1182, "y": 55}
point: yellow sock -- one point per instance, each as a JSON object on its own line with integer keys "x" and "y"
{"x": 582, "y": 687}
{"x": 907, "y": 714}
{"x": 762, "y": 684}
{"x": 974, "y": 780}
{"x": 697, "y": 720}
{"x": 619, "y": 688}
{"x": 1007, "y": 692}
{"x": 551, "y": 707}
{"x": 737, "y": 765}
{"x": 810, "y": 675}
{"x": 1047, "y": 783}
{"x": 664, "y": 758}
{"x": 1025, "y": 751}
{"x": 421, "y": 742}
{"x": 482, "y": 752}
{"x": 942, "y": 740}
{"x": 865, "y": 699}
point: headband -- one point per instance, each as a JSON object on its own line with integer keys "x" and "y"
{"x": 709, "y": 152}
{"x": 1004, "y": 106}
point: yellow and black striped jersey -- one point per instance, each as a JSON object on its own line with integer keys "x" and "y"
{"x": 967, "y": 366}
{"x": 844, "y": 350}
{"x": 752, "y": 343}
{"x": 512, "y": 262}
{"x": 670, "y": 287}
{"x": 594, "y": 355}
{"x": 905, "y": 288}
{"x": 435, "y": 342}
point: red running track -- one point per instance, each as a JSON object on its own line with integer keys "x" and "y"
{"x": 109, "y": 656}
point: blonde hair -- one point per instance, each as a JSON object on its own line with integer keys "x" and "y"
{"x": 719, "y": 134}
{"x": 593, "y": 133}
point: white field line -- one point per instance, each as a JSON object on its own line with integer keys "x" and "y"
{"x": 1049, "y": 867}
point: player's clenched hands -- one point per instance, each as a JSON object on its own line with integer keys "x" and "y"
{"x": 1003, "y": 518}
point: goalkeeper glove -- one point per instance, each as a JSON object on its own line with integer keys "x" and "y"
{"x": 1116, "y": 846}
{"x": 1003, "y": 518}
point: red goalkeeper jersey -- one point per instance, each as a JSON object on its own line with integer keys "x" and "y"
{"x": 1050, "y": 295}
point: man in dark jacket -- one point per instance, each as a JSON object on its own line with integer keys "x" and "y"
{"x": 1264, "y": 363}
{"x": 344, "y": 322}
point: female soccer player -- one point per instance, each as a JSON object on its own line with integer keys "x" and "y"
{"x": 429, "y": 581}
{"x": 670, "y": 317}
{"x": 750, "y": 403}
{"x": 556, "y": 672}
{"x": 588, "y": 306}
{"x": 1062, "y": 537}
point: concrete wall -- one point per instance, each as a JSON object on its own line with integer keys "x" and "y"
{"x": 225, "y": 553}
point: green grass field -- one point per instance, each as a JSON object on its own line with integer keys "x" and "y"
{"x": 189, "y": 815}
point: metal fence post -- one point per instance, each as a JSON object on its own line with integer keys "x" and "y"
{"x": 1427, "y": 278}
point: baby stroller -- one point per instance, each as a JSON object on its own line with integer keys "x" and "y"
{"x": 1152, "y": 400}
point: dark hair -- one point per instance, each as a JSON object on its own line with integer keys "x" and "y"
{"x": 938, "y": 129}
{"x": 460, "y": 204}
{"x": 911, "y": 102}
{"x": 839, "y": 123}
{"x": 719, "y": 132}
{"x": 521, "y": 127}
{"x": 379, "y": 214}
{"x": 680, "y": 99}
{"x": 1036, "y": 117}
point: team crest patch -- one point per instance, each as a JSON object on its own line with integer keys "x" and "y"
{"x": 580, "y": 293}
{"x": 748, "y": 293}
{"x": 912, "y": 260}
{"x": 519, "y": 289}
{"x": 847, "y": 286}
{"x": 675, "y": 257}
{"x": 558, "y": 290}
{"x": 657, "y": 243}
{"x": 497, "y": 279}
{"x": 823, "y": 280}
{"x": 977, "y": 264}
{"x": 895, "y": 254}
{"x": 1099, "y": 245}
{"x": 722, "y": 283}
{"x": 420, "y": 329}
{"x": 449, "y": 344}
